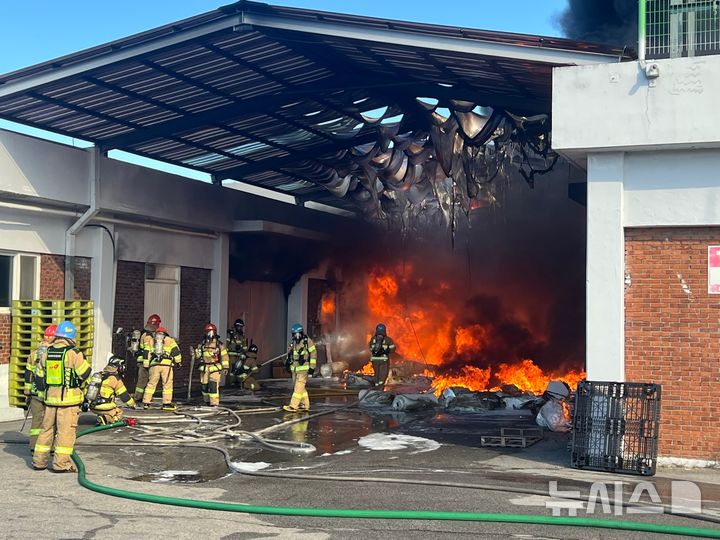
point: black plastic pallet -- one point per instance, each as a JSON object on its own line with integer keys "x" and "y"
{"x": 615, "y": 427}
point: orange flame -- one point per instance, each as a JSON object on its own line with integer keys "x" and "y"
{"x": 327, "y": 304}
{"x": 424, "y": 331}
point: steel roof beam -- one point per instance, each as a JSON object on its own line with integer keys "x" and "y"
{"x": 327, "y": 28}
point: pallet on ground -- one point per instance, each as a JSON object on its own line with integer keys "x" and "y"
{"x": 513, "y": 438}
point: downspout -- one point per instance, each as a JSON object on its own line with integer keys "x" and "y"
{"x": 75, "y": 228}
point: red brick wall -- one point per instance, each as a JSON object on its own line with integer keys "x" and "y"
{"x": 52, "y": 277}
{"x": 4, "y": 339}
{"x": 194, "y": 313}
{"x": 672, "y": 334}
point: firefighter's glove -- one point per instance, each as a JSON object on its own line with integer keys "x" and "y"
{"x": 311, "y": 371}
{"x": 85, "y": 407}
{"x": 301, "y": 360}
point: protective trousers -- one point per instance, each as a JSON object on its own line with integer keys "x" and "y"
{"x": 381, "y": 369}
{"x": 158, "y": 373}
{"x": 142, "y": 380}
{"x": 210, "y": 386}
{"x": 250, "y": 383}
{"x": 59, "y": 426}
{"x": 37, "y": 410}
{"x": 300, "y": 399}
{"x": 113, "y": 415}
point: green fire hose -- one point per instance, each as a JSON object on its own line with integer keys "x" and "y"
{"x": 381, "y": 514}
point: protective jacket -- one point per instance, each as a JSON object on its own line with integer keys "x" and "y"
{"x": 61, "y": 375}
{"x": 302, "y": 355}
{"x": 30, "y": 388}
{"x": 214, "y": 356}
{"x": 112, "y": 387}
{"x": 381, "y": 347}
{"x": 170, "y": 356}
{"x": 244, "y": 368}
{"x": 145, "y": 349}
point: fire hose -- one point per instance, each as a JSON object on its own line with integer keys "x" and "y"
{"x": 378, "y": 514}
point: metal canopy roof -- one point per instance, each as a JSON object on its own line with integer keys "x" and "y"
{"x": 255, "y": 93}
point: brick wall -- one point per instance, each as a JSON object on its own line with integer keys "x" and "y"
{"x": 672, "y": 334}
{"x": 52, "y": 277}
{"x": 194, "y": 314}
{"x": 129, "y": 307}
{"x": 4, "y": 339}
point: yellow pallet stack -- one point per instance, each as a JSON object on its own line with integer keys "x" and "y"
{"x": 30, "y": 318}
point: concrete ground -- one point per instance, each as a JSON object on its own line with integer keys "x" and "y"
{"x": 423, "y": 446}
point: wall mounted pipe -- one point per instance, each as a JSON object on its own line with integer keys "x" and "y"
{"x": 75, "y": 228}
{"x": 103, "y": 219}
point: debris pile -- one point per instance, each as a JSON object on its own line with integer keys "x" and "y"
{"x": 551, "y": 409}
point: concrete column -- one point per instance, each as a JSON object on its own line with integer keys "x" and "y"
{"x": 605, "y": 268}
{"x": 219, "y": 280}
{"x": 297, "y": 304}
{"x": 102, "y": 289}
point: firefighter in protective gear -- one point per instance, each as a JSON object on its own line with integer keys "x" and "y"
{"x": 215, "y": 362}
{"x": 35, "y": 398}
{"x": 61, "y": 375}
{"x": 144, "y": 354}
{"x": 381, "y": 347}
{"x": 164, "y": 358}
{"x": 245, "y": 370}
{"x": 111, "y": 387}
{"x": 301, "y": 361}
{"x": 237, "y": 345}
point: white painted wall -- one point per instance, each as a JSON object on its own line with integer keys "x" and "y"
{"x": 680, "y": 188}
{"x": 605, "y": 264}
{"x": 613, "y": 106}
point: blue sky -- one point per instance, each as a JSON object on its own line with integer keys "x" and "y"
{"x": 33, "y": 31}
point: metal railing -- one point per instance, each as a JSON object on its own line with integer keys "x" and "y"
{"x": 675, "y": 28}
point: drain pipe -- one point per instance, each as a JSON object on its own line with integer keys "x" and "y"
{"x": 75, "y": 228}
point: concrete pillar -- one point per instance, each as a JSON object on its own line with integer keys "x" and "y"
{"x": 605, "y": 268}
{"x": 102, "y": 289}
{"x": 298, "y": 304}
{"x": 219, "y": 280}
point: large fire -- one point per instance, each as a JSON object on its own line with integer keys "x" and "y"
{"x": 425, "y": 331}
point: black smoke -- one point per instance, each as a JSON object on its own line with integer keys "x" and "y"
{"x": 612, "y": 22}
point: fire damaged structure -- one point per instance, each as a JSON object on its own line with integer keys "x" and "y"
{"x": 359, "y": 171}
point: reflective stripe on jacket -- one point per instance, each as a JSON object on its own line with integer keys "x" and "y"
{"x": 304, "y": 351}
{"x": 380, "y": 348}
{"x": 112, "y": 387}
{"x": 215, "y": 357}
{"x": 30, "y": 386}
{"x": 171, "y": 354}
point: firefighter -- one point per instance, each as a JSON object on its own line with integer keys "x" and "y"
{"x": 381, "y": 346}
{"x": 104, "y": 388}
{"x": 215, "y": 363}
{"x": 144, "y": 354}
{"x": 245, "y": 370}
{"x": 300, "y": 362}
{"x": 61, "y": 375}
{"x": 237, "y": 346}
{"x": 35, "y": 398}
{"x": 164, "y": 358}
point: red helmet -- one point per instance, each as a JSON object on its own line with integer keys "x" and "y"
{"x": 50, "y": 331}
{"x": 210, "y": 331}
{"x": 162, "y": 330}
{"x": 154, "y": 319}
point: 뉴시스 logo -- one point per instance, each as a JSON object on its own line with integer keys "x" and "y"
{"x": 609, "y": 498}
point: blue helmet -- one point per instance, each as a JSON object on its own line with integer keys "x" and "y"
{"x": 66, "y": 330}
{"x": 380, "y": 330}
{"x": 297, "y": 328}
